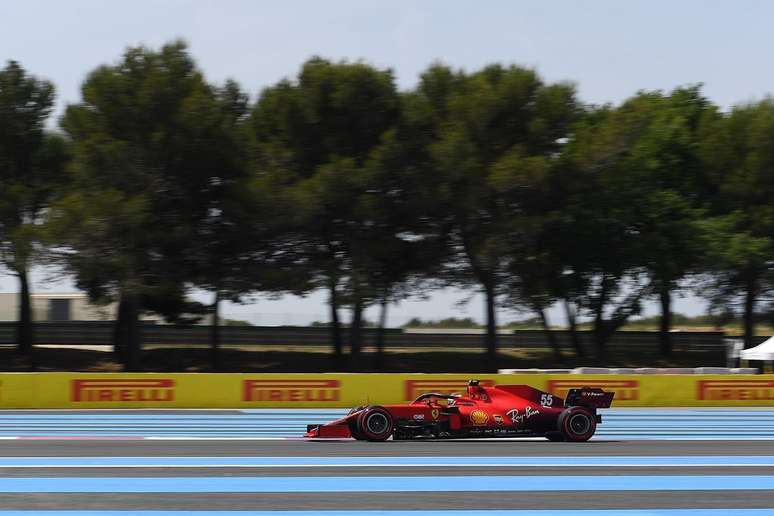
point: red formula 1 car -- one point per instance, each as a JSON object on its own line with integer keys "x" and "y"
{"x": 501, "y": 411}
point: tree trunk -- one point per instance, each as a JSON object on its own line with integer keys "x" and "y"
{"x": 573, "y": 329}
{"x": 24, "y": 336}
{"x": 119, "y": 331}
{"x": 132, "y": 336}
{"x": 335, "y": 326}
{"x": 380, "y": 335}
{"x": 356, "y": 326}
{"x": 601, "y": 333}
{"x": 491, "y": 323}
{"x": 665, "y": 327}
{"x": 215, "y": 333}
{"x": 750, "y": 298}
{"x": 549, "y": 334}
{"x": 601, "y": 339}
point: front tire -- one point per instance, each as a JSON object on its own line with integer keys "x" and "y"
{"x": 375, "y": 424}
{"x": 353, "y": 426}
{"x": 577, "y": 424}
{"x": 356, "y": 434}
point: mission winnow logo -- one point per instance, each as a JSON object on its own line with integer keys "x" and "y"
{"x": 625, "y": 390}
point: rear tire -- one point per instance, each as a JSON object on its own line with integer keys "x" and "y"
{"x": 577, "y": 424}
{"x": 375, "y": 424}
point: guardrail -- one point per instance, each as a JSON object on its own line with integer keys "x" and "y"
{"x": 101, "y": 333}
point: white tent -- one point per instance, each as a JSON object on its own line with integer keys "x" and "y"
{"x": 763, "y": 351}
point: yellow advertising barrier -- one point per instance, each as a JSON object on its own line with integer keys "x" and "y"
{"x": 205, "y": 390}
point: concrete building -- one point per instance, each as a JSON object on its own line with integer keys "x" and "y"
{"x": 72, "y": 306}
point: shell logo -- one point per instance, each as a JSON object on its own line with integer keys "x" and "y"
{"x": 478, "y": 417}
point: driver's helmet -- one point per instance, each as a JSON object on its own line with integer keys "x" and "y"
{"x": 473, "y": 388}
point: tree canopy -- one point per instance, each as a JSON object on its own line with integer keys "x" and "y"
{"x": 31, "y": 168}
{"x": 492, "y": 180}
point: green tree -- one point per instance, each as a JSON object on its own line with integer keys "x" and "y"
{"x": 633, "y": 188}
{"x": 230, "y": 249}
{"x": 144, "y": 171}
{"x": 604, "y": 273}
{"x": 316, "y": 136}
{"x": 495, "y": 128}
{"x": 402, "y": 240}
{"x": 668, "y": 154}
{"x": 738, "y": 154}
{"x": 534, "y": 269}
{"x": 664, "y": 161}
{"x": 31, "y": 168}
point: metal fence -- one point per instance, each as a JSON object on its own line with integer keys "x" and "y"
{"x": 101, "y": 333}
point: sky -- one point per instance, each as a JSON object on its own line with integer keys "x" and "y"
{"x": 609, "y": 48}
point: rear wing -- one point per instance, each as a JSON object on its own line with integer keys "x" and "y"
{"x": 589, "y": 397}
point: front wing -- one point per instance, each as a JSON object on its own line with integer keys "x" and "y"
{"x": 329, "y": 431}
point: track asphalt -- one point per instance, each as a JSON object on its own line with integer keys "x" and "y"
{"x": 677, "y": 462}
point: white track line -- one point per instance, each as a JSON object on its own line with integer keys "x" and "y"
{"x": 367, "y": 465}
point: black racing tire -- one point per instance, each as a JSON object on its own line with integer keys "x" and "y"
{"x": 356, "y": 434}
{"x": 555, "y": 437}
{"x": 577, "y": 424}
{"x": 376, "y": 424}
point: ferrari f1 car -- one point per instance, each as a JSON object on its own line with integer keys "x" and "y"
{"x": 500, "y": 411}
